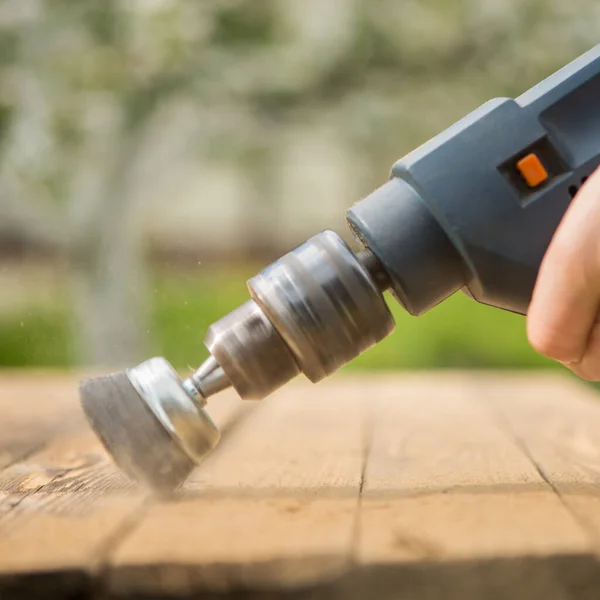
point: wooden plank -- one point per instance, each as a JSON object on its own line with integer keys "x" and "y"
{"x": 64, "y": 507}
{"x": 307, "y": 439}
{"x": 274, "y": 509}
{"x": 557, "y": 421}
{"x": 68, "y": 499}
{"x": 451, "y": 506}
{"x": 34, "y": 408}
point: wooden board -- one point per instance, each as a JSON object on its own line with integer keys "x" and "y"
{"x": 64, "y": 506}
{"x": 447, "y": 485}
{"x": 32, "y": 410}
{"x": 275, "y": 506}
{"x": 558, "y": 425}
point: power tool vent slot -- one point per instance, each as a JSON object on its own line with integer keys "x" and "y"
{"x": 573, "y": 189}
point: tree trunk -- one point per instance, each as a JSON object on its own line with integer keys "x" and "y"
{"x": 110, "y": 271}
{"x": 260, "y": 212}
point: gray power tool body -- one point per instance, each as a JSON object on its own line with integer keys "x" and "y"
{"x": 473, "y": 209}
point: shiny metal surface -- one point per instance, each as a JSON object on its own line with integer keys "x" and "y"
{"x": 313, "y": 311}
{"x": 323, "y": 303}
{"x": 210, "y": 378}
{"x": 161, "y": 388}
{"x": 251, "y": 353}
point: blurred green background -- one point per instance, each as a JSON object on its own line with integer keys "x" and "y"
{"x": 154, "y": 154}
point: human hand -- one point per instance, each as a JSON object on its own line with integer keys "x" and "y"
{"x": 563, "y": 320}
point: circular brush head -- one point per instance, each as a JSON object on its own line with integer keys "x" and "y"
{"x": 155, "y": 432}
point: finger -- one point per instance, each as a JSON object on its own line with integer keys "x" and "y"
{"x": 566, "y": 296}
{"x": 589, "y": 366}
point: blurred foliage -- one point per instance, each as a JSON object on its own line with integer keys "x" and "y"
{"x": 84, "y": 72}
{"x": 36, "y": 338}
{"x": 242, "y": 26}
{"x": 91, "y": 98}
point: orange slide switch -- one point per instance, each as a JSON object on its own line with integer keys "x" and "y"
{"x": 532, "y": 170}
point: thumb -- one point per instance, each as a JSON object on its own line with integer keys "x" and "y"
{"x": 566, "y": 298}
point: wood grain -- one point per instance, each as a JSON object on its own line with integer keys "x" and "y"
{"x": 67, "y": 501}
{"x": 66, "y": 505}
{"x": 446, "y": 487}
{"x": 274, "y": 508}
{"x": 557, "y": 422}
{"x": 33, "y": 408}
{"x": 419, "y": 486}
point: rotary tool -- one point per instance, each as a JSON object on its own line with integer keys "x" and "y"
{"x": 473, "y": 209}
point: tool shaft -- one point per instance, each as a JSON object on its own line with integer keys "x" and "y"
{"x": 311, "y": 312}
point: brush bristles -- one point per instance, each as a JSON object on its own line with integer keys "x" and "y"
{"x": 138, "y": 442}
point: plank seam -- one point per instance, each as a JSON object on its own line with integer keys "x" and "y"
{"x": 513, "y": 437}
{"x": 356, "y": 526}
{"x": 504, "y": 426}
{"x": 54, "y": 434}
{"x": 112, "y": 542}
{"x": 24, "y": 456}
